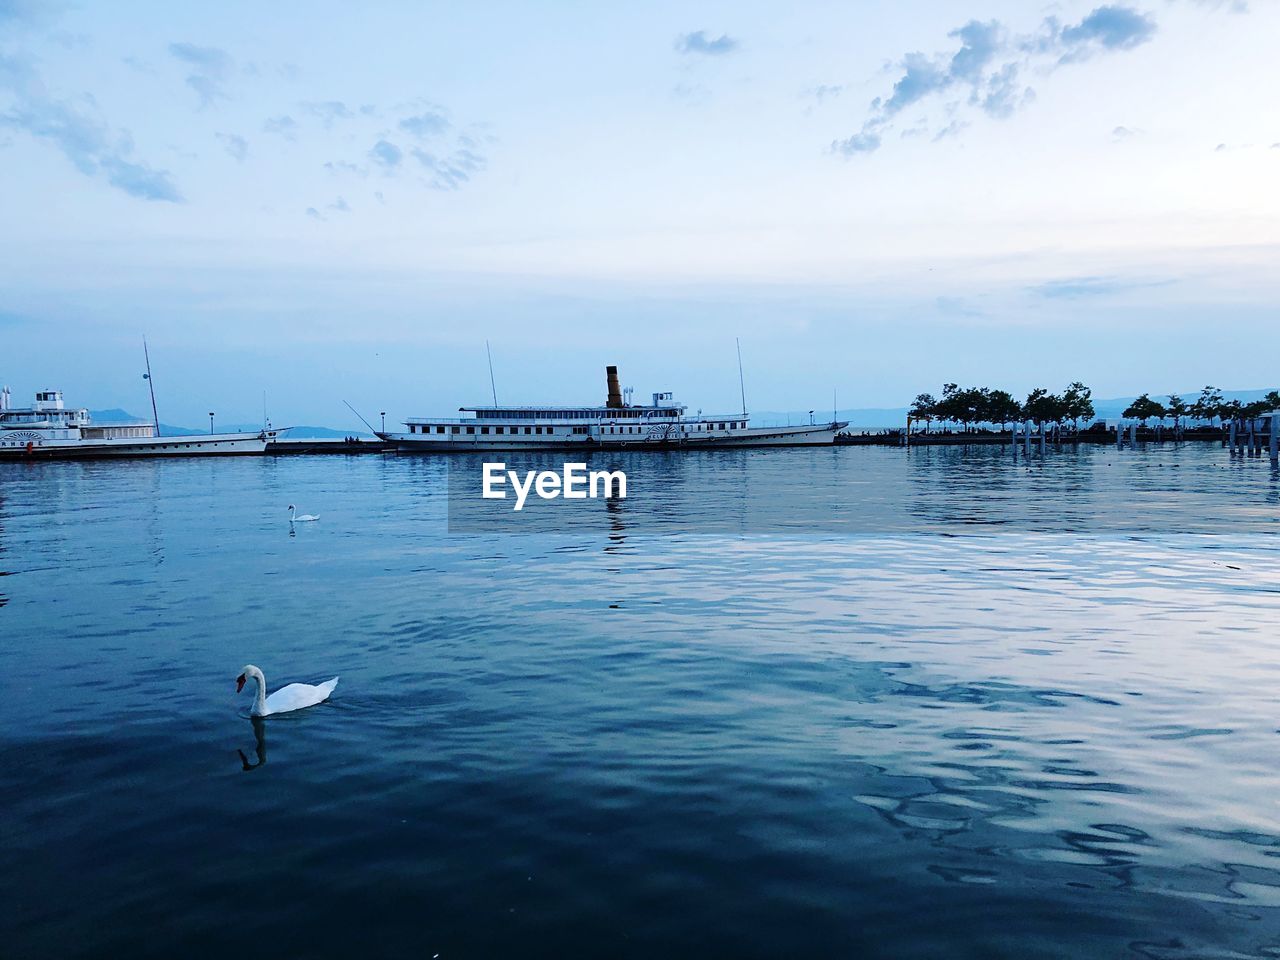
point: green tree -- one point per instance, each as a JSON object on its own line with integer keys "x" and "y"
{"x": 1079, "y": 403}
{"x": 1144, "y": 408}
{"x": 1001, "y": 407}
{"x": 1041, "y": 407}
{"x": 971, "y": 402}
{"x": 1208, "y": 405}
{"x": 1176, "y": 408}
{"x": 948, "y": 407}
{"x": 1272, "y": 400}
{"x": 1060, "y": 409}
{"x": 924, "y": 408}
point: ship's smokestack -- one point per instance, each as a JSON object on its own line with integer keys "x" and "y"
{"x": 615, "y": 391}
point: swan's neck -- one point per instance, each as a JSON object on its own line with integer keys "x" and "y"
{"x": 291, "y": 513}
{"x": 259, "y": 698}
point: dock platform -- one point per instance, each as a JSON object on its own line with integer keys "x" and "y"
{"x": 327, "y": 445}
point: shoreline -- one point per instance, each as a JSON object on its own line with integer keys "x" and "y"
{"x": 895, "y": 438}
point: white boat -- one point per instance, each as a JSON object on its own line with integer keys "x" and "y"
{"x": 48, "y": 430}
{"x": 616, "y": 425}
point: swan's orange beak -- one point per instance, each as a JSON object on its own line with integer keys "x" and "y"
{"x": 239, "y": 683}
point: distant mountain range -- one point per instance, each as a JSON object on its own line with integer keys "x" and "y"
{"x": 862, "y": 418}
{"x": 870, "y": 418}
{"x": 170, "y": 430}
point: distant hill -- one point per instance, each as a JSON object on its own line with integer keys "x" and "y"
{"x": 122, "y": 416}
{"x": 170, "y": 430}
{"x": 1114, "y": 409}
{"x": 863, "y": 418}
{"x": 871, "y": 418}
{"x": 860, "y": 418}
{"x": 304, "y": 432}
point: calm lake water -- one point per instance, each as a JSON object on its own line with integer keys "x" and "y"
{"x": 952, "y": 705}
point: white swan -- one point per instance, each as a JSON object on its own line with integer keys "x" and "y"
{"x": 293, "y": 697}
{"x": 305, "y": 516}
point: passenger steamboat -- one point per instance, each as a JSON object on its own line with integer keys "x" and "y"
{"x": 49, "y": 430}
{"x": 618, "y": 424}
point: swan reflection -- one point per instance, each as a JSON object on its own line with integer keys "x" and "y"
{"x": 260, "y": 735}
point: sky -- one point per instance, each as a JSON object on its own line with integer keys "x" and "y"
{"x": 327, "y": 202}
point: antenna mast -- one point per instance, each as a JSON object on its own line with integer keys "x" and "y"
{"x": 155, "y": 417}
{"x": 741, "y": 385}
{"x": 362, "y": 419}
{"x": 492, "y": 385}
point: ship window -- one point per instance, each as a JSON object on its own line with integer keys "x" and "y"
{"x": 471, "y": 429}
{"x": 528, "y": 430}
{"x": 439, "y": 429}
{"x": 497, "y": 430}
{"x": 551, "y": 429}
{"x": 484, "y": 429}
{"x": 453, "y": 429}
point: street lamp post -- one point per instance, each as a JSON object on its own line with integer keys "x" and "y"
{"x": 383, "y": 414}
{"x": 210, "y": 422}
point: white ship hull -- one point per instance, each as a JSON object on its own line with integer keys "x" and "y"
{"x": 14, "y": 446}
{"x": 617, "y": 424}
{"x": 49, "y": 430}
{"x": 820, "y": 435}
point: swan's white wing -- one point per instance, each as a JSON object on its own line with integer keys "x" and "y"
{"x": 298, "y": 695}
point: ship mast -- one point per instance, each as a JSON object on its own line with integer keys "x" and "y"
{"x": 741, "y": 385}
{"x": 155, "y": 417}
{"x": 492, "y": 385}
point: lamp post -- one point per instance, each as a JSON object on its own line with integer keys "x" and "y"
{"x": 383, "y": 414}
{"x": 211, "y": 422}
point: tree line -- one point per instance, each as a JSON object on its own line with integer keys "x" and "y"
{"x": 1208, "y": 407}
{"x": 969, "y": 406}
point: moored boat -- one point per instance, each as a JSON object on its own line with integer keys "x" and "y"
{"x": 49, "y": 430}
{"x": 618, "y": 424}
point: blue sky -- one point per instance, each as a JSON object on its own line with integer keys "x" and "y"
{"x": 328, "y": 202}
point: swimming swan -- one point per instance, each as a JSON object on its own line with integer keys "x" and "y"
{"x": 293, "y": 697}
{"x": 305, "y": 516}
